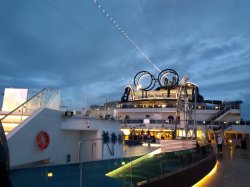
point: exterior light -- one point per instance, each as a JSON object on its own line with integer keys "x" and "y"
{"x": 123, "y": 163}
{"x": 138, "y": 87}
{"x": 203, "y": 181}
{"x": 50, "y": 174}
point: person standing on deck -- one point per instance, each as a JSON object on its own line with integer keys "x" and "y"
{"x": 219, "y": 144}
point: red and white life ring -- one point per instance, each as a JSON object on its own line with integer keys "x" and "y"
{"x": 42, "y": 140}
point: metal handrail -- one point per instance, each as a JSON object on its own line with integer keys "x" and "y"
{"x": 23, "y": 104}
{"x": 220, "y": 113}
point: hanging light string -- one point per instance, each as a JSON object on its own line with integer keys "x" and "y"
{"x": 121, "y": 30}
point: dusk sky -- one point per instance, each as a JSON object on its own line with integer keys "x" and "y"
{"x": 71, "y": 45}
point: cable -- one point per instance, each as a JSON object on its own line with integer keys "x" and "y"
{"x": 75, "y": 22}
{"x": 147, "y": 21}
{"x": 121, "y": 30}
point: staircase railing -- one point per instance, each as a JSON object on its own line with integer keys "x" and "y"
{"x": 22, "y": 106}
{"x": 225, "y": 126}
{"x": 219, "y": 113}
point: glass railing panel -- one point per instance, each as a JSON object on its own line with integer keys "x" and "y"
{"x": 146, "y": 167}
{"x": 170, "y": 161}
{"x": 117, "y": 172}
{"x": 98, "y": 173}
{"x": 33, "y": 104}
{"x": 41, "y": 99}
{"x": 186, "y": 157}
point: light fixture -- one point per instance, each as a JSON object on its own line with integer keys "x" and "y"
{"x": 50, "y": 174}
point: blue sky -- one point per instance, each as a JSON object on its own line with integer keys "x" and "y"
{"x": 73, "y": 46}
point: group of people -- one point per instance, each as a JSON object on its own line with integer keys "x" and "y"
{"x": 142, "y": 136}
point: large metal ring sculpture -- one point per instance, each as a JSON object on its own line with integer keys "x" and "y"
{"x": 167, "y": 79}
{"x": 139, "y": 81}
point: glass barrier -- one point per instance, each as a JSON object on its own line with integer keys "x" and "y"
{"x": 48, "y": 98}
{"x": 119, "y": 172}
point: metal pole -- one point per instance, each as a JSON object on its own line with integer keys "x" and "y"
{"x": 79, "y": 159}
{"x": 40, "y": 101}
{"x": 92, "y": 151}
{"x": 195, "y": 107}
{"x": 106, "y": 100}
{"x": 22, "y": 115}
{"x": 177, "y": 113}
{"x": 175, "y": 126}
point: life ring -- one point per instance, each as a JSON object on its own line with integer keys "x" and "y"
{"x": 42, "y": 140}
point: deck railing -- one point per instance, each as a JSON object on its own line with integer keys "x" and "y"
{"x": 167, "y": 121}
{"x": 125, "y": 171}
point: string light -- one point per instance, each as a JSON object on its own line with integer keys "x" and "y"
{"x": 115, "y": 23}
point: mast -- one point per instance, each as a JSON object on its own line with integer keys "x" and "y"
{"x": 195, "y": 107}
{"x": 179, "y": 105}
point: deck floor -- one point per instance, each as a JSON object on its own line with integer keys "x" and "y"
{"x": 233, "y": 169}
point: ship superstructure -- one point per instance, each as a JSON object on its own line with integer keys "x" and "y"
{"x": 169, "y": 108}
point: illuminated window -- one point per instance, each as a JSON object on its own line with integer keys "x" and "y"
{"x": 50, "y": 174}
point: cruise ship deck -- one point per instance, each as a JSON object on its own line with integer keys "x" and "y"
{"x": 232, "y": 169}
